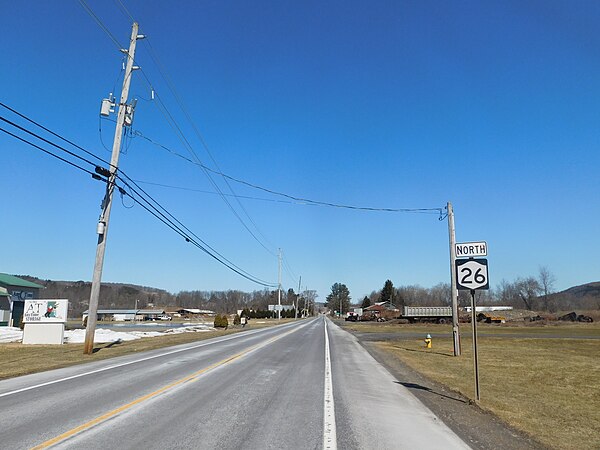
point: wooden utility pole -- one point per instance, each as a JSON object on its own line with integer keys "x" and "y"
{"x": 107, "y": 202}
{"x": 453, "y": 288}
{"x": 298, "y": 298}
{"x": 279, "y": 286}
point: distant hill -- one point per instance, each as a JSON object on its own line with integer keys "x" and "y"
{"x": 124, "y": 296}
{"x": 583, "y": 297}
{"x": 112, "y": 295}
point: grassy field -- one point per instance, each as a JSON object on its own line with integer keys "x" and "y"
{"x": 548, "y": 387}
{"x": 18, "y": 359}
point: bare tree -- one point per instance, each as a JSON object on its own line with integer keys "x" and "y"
{"x": 546, "y": 280}
{"x": 527, "y": 289}
{"x": 441, "y": 294}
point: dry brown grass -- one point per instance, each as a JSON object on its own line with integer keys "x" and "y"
{"x": 549, "y": 388}
{"x": 561, "y": 329}
{"x": 18, "y": 359}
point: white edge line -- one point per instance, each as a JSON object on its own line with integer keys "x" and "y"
{"x": 329, "y": 430}
{"x": 115, "y": 366}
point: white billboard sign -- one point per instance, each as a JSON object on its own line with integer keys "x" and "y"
{"x": 45, "y": 311}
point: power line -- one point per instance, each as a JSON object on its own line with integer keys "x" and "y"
{"x": 48, "y": 152}
{"x": 145, "y": 204}
{"x": 297, "y": 200}
{"x": 288, "y": 269}
{"x": 142, "y": 199}
{"x": 200, "y": 137}
{"x": 53, "y": 134}
{"x": 180, "y": 134}
{"x": 203, "y": 191}
{"x": 124, "y": 10}
{"x": 179, "y": 223}
{"x": 177, "y": 129}
{"x": 100, "y": 23}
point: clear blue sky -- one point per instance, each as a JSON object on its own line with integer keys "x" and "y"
{"x": 493, "y": 106}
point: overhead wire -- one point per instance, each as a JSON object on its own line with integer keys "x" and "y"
{"x": 177, "y": 221}
{"x": 180, "y": 134}
{"x": 124, "y": 10}
{"x": 203, "y": 191}
{"x": 100, "y": 23}
{"x": 39, "y": 125}
{"x": 296, "y": 199}
{"x": 192, "y": 237}
{"x": 172, "y": 122}
{"x": 152, "y": 206}
{"x": 226, "y": 177}
{"x": 288, "y": 269}
{"x": 183, "y": 108}
{"x": 3, "y": 119}
{"x": 71, "y": 163}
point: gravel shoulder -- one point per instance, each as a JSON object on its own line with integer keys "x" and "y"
{"x": 478, "y": 428}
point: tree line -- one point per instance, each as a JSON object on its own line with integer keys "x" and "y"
{"x": 128, "y": 296}
{"x": 531, "y": 292}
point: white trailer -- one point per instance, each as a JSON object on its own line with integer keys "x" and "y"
{"x": 439, "y": 314}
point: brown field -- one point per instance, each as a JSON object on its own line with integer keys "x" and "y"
{"x": 546, "y": 384}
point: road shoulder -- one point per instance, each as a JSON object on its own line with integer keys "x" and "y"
{"x": 478, "y": 428}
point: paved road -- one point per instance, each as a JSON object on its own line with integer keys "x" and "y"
{"x": 303, "y": 385}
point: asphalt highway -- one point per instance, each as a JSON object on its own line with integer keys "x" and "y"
{"x": 301, "y": 385}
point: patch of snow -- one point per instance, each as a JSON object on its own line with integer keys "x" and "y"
{"x": 102, "y": 335}
{"x": 11, "y": 334}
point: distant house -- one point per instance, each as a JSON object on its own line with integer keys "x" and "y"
{"x": 150, "y": 314}
{"x": 18, "y": 290}
{"x": 126, "y": 315}
{"x": 117, "y": 315}
{"x": 382, "y": 306}
{"x": 381, "y": 309}
{"x": 190, "y": 312}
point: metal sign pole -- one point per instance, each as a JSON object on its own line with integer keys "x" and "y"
{"x": 475, "y": 359}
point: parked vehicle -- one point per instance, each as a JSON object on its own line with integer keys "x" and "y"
{"x": 439, "y": 314}
{"x": 352, "y": 317}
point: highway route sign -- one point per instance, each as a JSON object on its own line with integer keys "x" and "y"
{"x": 472, "y": 274}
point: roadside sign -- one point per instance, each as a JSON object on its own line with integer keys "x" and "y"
{"x": 471, "y": 249}
{"x": 472, "y": 274}
{"x": 48, "y": 310}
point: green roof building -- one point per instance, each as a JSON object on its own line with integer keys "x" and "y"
{"x": 13, "y": 293}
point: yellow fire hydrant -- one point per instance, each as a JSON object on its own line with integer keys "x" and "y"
{"x": 428, "y": 341}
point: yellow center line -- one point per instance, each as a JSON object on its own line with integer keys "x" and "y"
{"x": 139, "y": 400}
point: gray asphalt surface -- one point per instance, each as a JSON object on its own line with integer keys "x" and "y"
{"x": 260, "y": 389}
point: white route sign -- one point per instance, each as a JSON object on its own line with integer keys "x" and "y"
{"x": 472, "y": 274}
{"x": 471, "y": 249}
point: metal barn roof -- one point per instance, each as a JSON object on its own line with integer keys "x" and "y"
{"x": 11, "y": 280}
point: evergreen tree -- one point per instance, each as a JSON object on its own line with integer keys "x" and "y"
{"x": 387, "y": 293}
{"x": 366, "y": 302}
{"x": 339, "y": 296}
